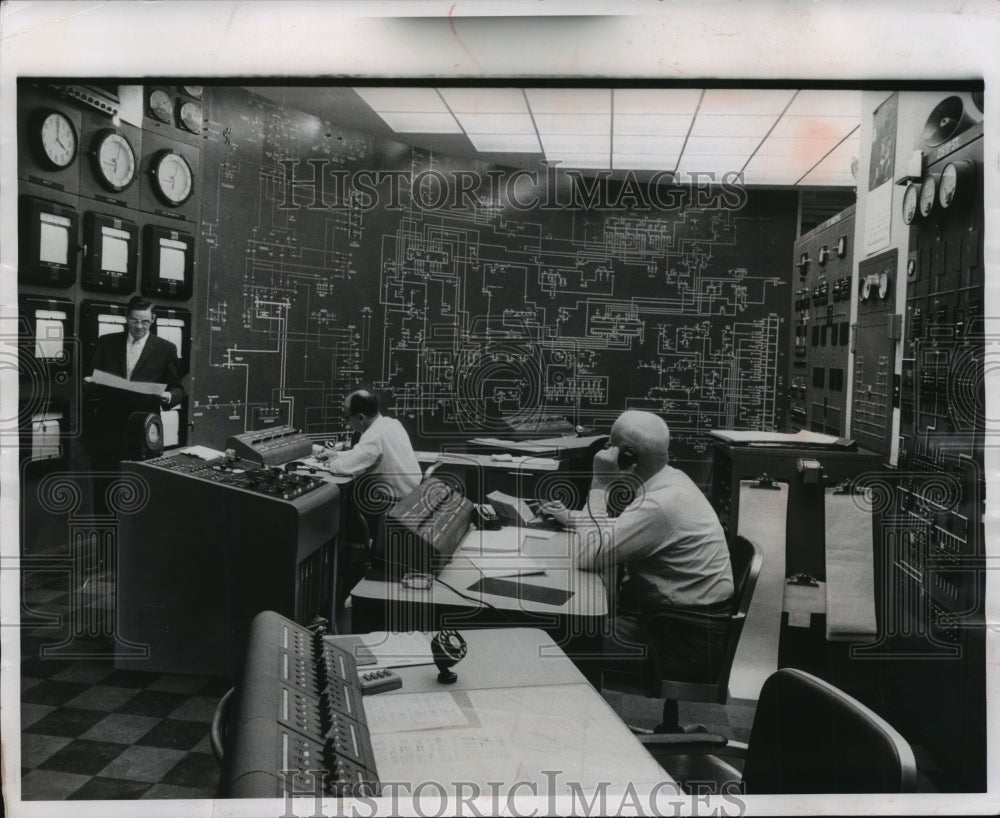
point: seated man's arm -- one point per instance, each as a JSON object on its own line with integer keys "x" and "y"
{"x": 364, "y": 456}
{"x": 603, "y": 542}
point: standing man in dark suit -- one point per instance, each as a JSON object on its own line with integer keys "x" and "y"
{"x": 135, "y": 355}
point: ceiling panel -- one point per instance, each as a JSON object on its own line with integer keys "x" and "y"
{"x": 496, "y": 123}
{"x": 506, "y": 143}
{"x": 733, "y": 125}
{"x": 421, "y": 122}
{"x": 485, "y": 100}
{"x": 750, "y": 101}
{"x": 669, "y": 101}
{"x": 403, "y": 99}
{"x": 569, "y": 100}
{"x": 652, "y": 124}
{"x": 573, "y": 123}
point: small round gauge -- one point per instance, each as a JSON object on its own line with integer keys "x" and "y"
{"x": 883, "y": 285}
{"x": 56, "y": 140}
{"x": 190, "y": 116}
{"x": 173, "y": 179}
{"x": 192, "y": 90}
{"x": 114, "y": 160}
{"x": 824, "y": 254}
{"x": 865, "y": 291}
{"x": 955, "y": 181}
{"x": 911, "y": 269}
{"x": 911, "y": 197}
{"x": 161, "y": 106}
{"x": 842, "y": 247}
{"x": 928, "y": 195}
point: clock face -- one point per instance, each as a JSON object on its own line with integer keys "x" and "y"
{"x": 115, "y": 160}
{"x": 192, "y": 90}
{"x": 57, "y": 139}
{"x": 161, "y": 106}
{"x": 910, "y": 199}
{"x": 153, "y": 434}
{"x": 173, "y": 180}
{"x": 190, "y": 114}
{"x": 928, "y": 195}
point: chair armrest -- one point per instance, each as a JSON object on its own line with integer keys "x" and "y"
{"x": 677, "y": 744}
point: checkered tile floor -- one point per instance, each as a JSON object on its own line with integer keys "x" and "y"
{"x": 89, "y": 731}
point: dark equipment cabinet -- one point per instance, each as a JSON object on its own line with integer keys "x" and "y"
{"x": 208, "y": 548}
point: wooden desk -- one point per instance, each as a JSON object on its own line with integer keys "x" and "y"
{"x": 520, "y": 715}
{"x": 380, "y": 605}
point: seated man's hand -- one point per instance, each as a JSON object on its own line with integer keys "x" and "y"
{"x": 605, "y": 468}
{"x": 165, "y": 398}
{"x": 557, "y": 511}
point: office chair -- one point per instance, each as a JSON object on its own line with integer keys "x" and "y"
{"x": 746, "y": 560}
{"x": 807, "y": 737}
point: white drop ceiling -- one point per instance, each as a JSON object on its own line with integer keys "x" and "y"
{"x": 774, "y": 137}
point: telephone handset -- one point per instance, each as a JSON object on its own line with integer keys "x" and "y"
{"x": 627, "y": 457}
{"x": 485, "y": 516}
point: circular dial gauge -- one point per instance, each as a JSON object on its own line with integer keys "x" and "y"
{"x": 866, "y": 288}
{"x": 153, "y": 435}
{"x": 190, "y": 115}
{"x": 928, "y": 194}
{"x": 114, "y": 160}
{"x": 57, "y": 139}
{"x": 883, "y": 285}
{"x": 192, "y": 90}
{"x": 161, "y": 106}
{"x": 842, "y": 247}
{"x": 955, "y": 180}
{"x": 173, "y": 180}
{"x": 911, "y": 197}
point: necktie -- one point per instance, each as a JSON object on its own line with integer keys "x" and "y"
{"x": 133, "y": 358}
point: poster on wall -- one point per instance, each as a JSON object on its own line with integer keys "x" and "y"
{"x": 878, "y": 213}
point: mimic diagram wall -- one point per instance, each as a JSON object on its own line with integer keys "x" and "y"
{"x": 316, "y": 275}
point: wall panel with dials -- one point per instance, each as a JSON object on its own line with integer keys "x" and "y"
{"x": 107, "y": 209}
{"x": 820, "y": 326}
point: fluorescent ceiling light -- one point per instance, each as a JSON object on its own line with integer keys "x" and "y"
{"x": 496, "y": 123}
{"x": 827, "y": 103}
{"x": 753, "y": 101}
{"x": 402, "y": 99}
{"x": 671, "y": 101}
{"x": 573, "y": 123}
{"x": 421, "y": 122}
{"x": 576, "y": 143}
{"x": 660, "y": 145}
{"x": 814, "y": 127}
{"x": 569, "y": 100}
{"x": 505, "y": 143}
{"x": 643, "y": 161}
{"x": 737, "y": 125}
{"x": 652, "y": 125}
{"x": 485, "y": 100}
{"x": 721, "y": 145}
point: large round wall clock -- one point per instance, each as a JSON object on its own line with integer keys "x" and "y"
{"x": 55, "y": 140}
{"x": 114, "y": 160}
{"x": 173, "y": 179}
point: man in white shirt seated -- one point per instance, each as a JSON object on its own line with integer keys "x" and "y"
{"x": 671, "y": 545}
{"x": 383, "y": 463}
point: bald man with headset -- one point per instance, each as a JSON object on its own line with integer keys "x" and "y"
{"x": 671, "y": 545}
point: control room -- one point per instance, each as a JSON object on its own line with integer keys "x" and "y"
{"x": 485, "y": 435}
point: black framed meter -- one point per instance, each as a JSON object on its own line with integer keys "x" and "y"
{"x": 168, "y": 262}
{"x": 49, "y": 243}
{"x": 110, "y": 253}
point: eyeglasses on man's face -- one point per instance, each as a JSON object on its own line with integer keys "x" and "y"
{"x": 135, "y": 322}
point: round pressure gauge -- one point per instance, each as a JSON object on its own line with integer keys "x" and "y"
{"x": 842, "y": 247}
{"x": 114, "y": 160}
{"x": 883, "y": 285}
{"x": 192, "y": 90}
{"x": 928, "y": 195}
{"x": 55, "y": 139}
{"x": 956, "y": 178}
{"x": 911, "y": 198}
{"x": 190, "y": 116}
{"x": 173, "y": 179}
{"x": 161, "y": 106}
{"x": 865, "y": 291}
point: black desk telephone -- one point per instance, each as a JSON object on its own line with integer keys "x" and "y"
{"x": 485, "y": 516}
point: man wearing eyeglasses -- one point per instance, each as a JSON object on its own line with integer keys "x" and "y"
{"x": 135, "y": 355}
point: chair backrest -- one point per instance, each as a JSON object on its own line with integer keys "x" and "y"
{"x": 746, "y": 560}
{"x": 811, "y": 737}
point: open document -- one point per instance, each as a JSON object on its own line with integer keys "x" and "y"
{"x": 138, "y": 387}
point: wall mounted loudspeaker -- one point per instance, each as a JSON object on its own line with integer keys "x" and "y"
{"x": 948, "y": 119}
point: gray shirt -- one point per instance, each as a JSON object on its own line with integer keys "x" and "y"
{"x": 670, "y": 540}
